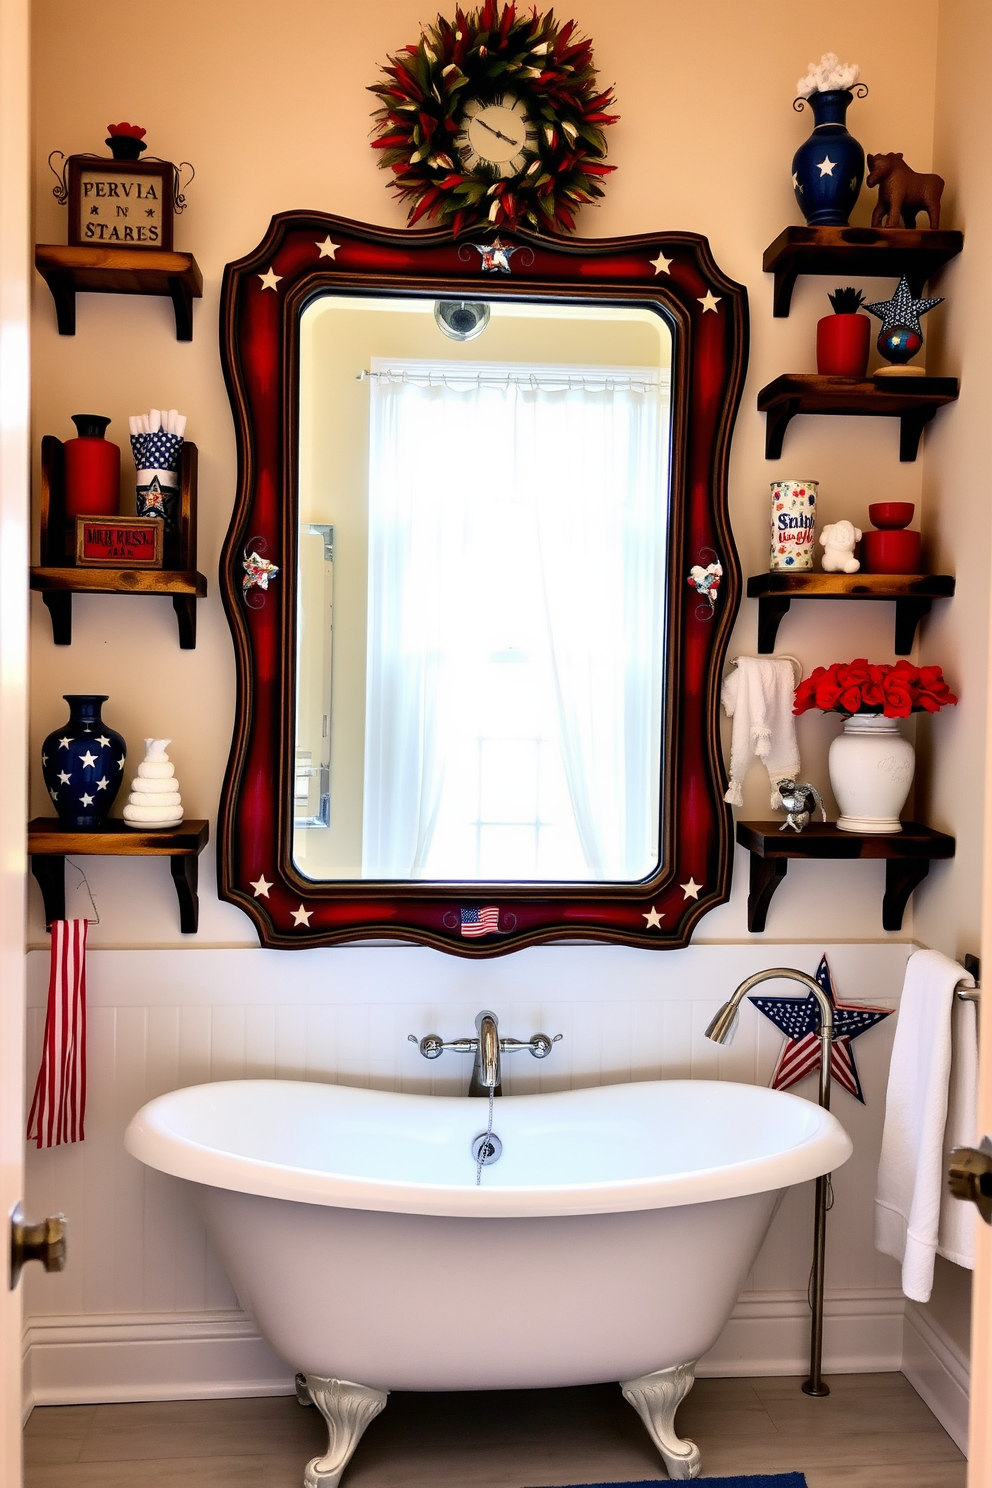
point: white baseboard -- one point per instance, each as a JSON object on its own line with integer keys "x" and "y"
{"x": 768, "y": 1334}
{"x": 78, "y": 1360}
{"x": 938, "y": 1371}
{"x": 161, "y": 1356}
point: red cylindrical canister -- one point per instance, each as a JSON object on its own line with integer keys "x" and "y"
{"x": 92, "y": 470}
{"x": 891, "y": 552}
{"x": 842, "y": 345}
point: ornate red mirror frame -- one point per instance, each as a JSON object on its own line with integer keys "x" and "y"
{"x": 308, "y": 254}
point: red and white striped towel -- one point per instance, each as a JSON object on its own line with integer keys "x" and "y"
{"x": 58, "y": 1110}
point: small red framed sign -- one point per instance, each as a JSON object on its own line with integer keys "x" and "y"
{"x": 120, "y": 203}
{"x": 115, "y": 542}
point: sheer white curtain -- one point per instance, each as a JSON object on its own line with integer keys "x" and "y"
{"x": 579, "y": 457}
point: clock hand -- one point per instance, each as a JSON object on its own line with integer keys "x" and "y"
{"x": 497, "y": 132}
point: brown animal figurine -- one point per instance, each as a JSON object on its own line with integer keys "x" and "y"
{"x": 902, "y": 192}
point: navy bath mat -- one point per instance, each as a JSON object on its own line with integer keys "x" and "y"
{"x": 763, "y": 1480}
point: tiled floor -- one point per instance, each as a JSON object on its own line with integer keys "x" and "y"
{"x": 873, "y": 1431}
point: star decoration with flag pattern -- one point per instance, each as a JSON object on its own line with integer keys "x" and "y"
{"x": 258, "y": 572}
{"x": 495, "y": 256}
{"x": 799, "y": 1020}
{"x": 902, "y": 309}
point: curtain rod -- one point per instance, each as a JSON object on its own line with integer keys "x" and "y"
{"x": 548, "y": 382}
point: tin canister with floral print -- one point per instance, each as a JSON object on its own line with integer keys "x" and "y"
{"x": 793, "y": 524}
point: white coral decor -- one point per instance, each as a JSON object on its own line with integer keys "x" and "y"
{"x": 828, "y": 74}
{"x": 154, "y": 801}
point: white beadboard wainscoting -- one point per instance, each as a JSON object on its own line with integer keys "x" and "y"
{"x": 143, "y": 1310}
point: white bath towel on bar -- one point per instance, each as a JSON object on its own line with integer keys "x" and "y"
{"x": 910, "y": 1192}
{"x": 758, "y": 695}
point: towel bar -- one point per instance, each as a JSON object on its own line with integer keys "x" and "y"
{"x": 973, "y": 967}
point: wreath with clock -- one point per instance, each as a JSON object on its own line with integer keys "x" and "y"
{"x": 494, "y": 118}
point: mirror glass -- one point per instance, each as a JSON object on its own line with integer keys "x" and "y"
{"x": 483, "y": 519}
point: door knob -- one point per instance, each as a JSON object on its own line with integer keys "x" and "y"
{"x": 970, "y": 1176}
{"x": 44, "y": 1242}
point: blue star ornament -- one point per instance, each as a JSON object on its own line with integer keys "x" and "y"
{"x": 799, "y": 1020}
{"x": 902, "y": 309}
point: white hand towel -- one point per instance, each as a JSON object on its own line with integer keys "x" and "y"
{"x": 758, "y": 696}
{"x": 956, "y": 1231}
{"x": 911, "y": 1179}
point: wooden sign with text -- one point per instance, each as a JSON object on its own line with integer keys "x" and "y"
{"x": 119, "y": 542}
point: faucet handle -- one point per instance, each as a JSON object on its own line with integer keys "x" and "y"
{"x": 540, "y": 1045}
{"x": 432, "y": 1045}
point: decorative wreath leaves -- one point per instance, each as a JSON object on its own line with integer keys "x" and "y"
{"x": 485, "y": 54}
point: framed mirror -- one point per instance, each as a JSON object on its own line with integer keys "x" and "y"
{"x": 480, "y": 579}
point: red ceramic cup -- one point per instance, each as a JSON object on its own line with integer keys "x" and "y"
{"x": 891, "y": 514}
{"x": 891, "y": 551}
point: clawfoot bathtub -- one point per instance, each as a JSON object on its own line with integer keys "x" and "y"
{"x": 609, "y": 1241}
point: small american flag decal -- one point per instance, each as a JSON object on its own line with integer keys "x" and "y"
{"x": 480, "y": 921}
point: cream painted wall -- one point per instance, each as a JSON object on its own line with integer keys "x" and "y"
{"x": 275, "y": 115}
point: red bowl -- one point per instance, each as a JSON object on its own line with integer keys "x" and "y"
{"x": 891, "y": 514}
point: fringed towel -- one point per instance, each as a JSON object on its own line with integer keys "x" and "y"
{"x": 58, "y": 1110}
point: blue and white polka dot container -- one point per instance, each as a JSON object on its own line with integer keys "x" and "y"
{"x": 793, "y": 525}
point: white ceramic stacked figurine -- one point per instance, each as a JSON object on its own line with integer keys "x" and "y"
{"x": 154, "y": 800}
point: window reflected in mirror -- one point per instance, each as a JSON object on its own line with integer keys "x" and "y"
{"x": 485, "y": 520}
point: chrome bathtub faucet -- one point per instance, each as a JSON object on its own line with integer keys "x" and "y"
{"x": 487, "y": 1047}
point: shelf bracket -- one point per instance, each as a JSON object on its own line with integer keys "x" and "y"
{"x": 49, "y": 870}
{"x": 785, "y": 283}
{"x": 182, "y": 304}
{"x": 911, "y": 426}
{"x": 766, "y": 875}
{"x": 64, "y": 294}
{"x": 772, "y": 608}
{"x": 59, "y": 605}
{"x": 902, "y": 876}
{"x": 185, "y": 876}
{"x": 185, "y": 608}
{"x": 909, "y": 613}
{"x": 50, "y": 873}
{"x": 777, "y": 420}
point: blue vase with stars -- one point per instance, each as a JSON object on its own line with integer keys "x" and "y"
{"x": 829, "y": 166}
{"x": 83, "y": 764}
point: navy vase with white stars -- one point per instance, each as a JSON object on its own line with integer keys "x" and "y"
{"x": 829, "y": 166}
{"x": 83, "y": 764}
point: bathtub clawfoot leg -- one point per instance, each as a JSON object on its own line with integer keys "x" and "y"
{"x": 656, "y": 1397}
{"x": 348, "y": 1409}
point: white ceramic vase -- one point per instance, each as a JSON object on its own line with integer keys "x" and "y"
{"x": 871, "y": 771}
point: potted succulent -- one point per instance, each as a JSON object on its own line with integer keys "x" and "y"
{"x": 871, "y": 765}
{"x": 843, "y": 339}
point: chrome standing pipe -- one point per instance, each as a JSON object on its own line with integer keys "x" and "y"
{"x": 721, "y": 1030}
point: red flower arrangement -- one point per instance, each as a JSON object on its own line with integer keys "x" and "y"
{"x": 863, "y": 687}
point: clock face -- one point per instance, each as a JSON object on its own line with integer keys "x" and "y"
{"x": 498, "y": 135}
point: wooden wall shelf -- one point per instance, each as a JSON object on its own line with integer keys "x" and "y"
{"x": 136, "y": 271}
{"x": 913, "y": 595}
{"x": 49, "y": 843}
{"x": 58, "y": 578}
{"x": 855, "y": 252}
{"x": 912, "y": 400}
{"x": 907, "y": 856}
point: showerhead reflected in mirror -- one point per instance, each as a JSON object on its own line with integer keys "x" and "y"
{"x": 461, "y": 320}
{"x": 491, "y": 706}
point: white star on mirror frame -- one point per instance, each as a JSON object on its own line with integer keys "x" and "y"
{"x": 270, "y": 279}
{"x": 327, "y": 248}
{"x": 691, "y": 889}
{"x": 653, "y": 918}
{"x": 261, "y": 887}
{"x": 709, "y": 301}
{"x": 301, "y": 916}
